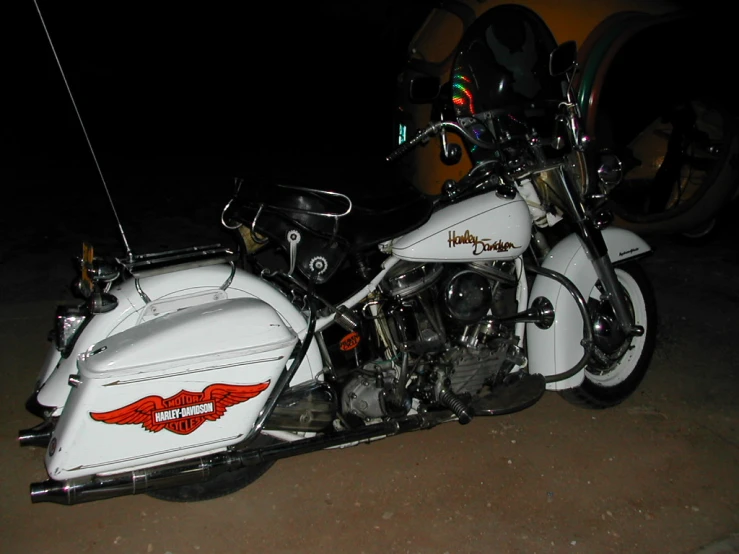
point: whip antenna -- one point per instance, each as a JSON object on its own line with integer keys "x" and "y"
{"x": 84, "y": 130}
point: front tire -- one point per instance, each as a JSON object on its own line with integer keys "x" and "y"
{"x": 608, "y": 383}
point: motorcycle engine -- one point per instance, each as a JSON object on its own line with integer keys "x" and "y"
{"x": 440, "y": 320}
{"x": 432, "y": 301}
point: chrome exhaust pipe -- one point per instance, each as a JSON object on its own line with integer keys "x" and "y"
{"x": 88, "y": 489}
{"x": 76, "y": 491}
{"x": 40, "y": 435}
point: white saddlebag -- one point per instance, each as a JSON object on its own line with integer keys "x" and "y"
{"x": 184, "y": 384}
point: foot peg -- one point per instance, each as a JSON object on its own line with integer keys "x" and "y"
{"x": 455, "y": 404}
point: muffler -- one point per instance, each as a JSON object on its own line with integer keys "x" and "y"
{"x": 88, "y": 489}
{"x": 40, "y": 435}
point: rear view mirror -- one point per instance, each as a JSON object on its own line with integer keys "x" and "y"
{"x": 423, "y": 89}
{"x": 563, "y": 58}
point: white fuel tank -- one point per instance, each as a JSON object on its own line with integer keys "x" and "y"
{"x": 484, "y": 227}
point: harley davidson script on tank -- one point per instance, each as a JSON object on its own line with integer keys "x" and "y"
{"x": 478, "y": 245}
{"x": 184, "y": 412}
{"x": 460, "y": 231}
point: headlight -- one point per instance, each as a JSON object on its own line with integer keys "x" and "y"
{"x": 69, "y": 322}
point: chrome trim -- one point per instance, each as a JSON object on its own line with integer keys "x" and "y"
{"x": 191, "y": 371}
{"x": 288, "y": 373}
{"x": 541, "y": 313}
{"x": 616, "y": 296}
{"x": 158, "y": 453}
{"x": 587, "y": 329}
{"x": 545, "y": 311}
{"x": 223, "y": 213}
{"x": 324, "y": 352}
{"x": 101, "y": 302}
{"x": 319, "y": 192}
{"x": 361, "y": 294}
{"x": 202, "y": 468}
{"x": 254, "y": 227}
{"x": 410, "y": 278}
{"x": 227, "y": 282}
{"x": 610, "y": 171}
{"x": 40, "y": 435}
{"x": 158, "y": 263}
{"x": 63, "y": 315}
{"x": 141, "y": 292}
{"x": 493, "y": 272}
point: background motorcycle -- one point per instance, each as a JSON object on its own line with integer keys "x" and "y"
{"x": 651, "y": 89}
{"x": 229, "y": 371}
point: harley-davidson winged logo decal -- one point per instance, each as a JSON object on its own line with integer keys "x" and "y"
{"x": 184, "y": 412}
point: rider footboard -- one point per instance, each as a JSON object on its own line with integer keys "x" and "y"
{"x": 180, "y": 385}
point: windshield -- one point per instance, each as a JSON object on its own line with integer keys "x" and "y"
{"x": 503, "y": 61}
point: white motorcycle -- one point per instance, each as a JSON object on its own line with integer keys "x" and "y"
{"x": 184, "y": 376}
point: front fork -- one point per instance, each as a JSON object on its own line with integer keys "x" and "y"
{"x": 597, "y": 251}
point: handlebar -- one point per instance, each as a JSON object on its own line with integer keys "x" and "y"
{"x": 569, "y": 115}
{"x": 435, "y": 127}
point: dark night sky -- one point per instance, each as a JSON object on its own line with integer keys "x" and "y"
{"x": 188, "y": 89}
{"x": 179, "y": 89}
{"x": 175, "y": 86}
{"x": 176, "y": 80}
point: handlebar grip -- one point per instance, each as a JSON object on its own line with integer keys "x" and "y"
{"x": 409, "y": 145}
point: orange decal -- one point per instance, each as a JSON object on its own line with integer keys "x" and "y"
{"x": 88, "y": 256}
{"x": 184, "y": 412}
{"x": 349, "y": 342}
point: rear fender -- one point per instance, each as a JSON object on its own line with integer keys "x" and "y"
{"x": 557, "y": 349}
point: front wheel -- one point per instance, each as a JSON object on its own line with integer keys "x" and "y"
{"x": 623, "y": 361}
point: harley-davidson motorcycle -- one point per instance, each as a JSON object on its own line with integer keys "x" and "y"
{"x": 184, "y": 376}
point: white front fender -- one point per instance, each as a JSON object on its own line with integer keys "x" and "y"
{"x": 555, "y": 350}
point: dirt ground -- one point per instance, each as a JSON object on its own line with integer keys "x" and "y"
{"x": 657, "y": 474}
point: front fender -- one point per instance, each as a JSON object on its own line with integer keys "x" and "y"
{"x": 555, "y": 350}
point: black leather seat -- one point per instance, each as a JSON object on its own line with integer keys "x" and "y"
{"x": 383, "y": 206}
{"x": 380, "y": 218}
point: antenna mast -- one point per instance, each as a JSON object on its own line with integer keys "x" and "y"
{"x": 129, "y": 254}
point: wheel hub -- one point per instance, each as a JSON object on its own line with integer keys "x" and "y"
{"x": 609, "y": 339}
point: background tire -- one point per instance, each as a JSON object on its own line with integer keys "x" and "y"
{"x": 605, "y": 387}
{"x": 681, "y": 167}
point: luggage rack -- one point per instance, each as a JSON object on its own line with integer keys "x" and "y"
{"x": 168, "y": 261}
